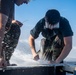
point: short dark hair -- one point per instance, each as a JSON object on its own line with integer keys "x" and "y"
{"x": 52, "y": 16}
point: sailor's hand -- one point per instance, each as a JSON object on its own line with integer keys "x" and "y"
{"x": 17, "y": 22}
{"x": 2, "y": 62}
{"x": 53, "y": 62}
{"x": 36, "y": 57}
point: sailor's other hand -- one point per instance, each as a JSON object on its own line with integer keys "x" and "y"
{"x": 53, "y": 62}
{"x": 36, "y": 57}
{"x": 2, "y": 62}
{"x": 17, "y": 22}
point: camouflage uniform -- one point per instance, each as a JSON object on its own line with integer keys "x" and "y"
{"x": 10, "y": 41}
{"x": 51, "y": 49}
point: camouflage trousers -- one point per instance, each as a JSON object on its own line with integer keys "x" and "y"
{"x": 10, "y": 41}
{"x": 51, "y": 50}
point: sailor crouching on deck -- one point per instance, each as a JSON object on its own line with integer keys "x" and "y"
{"x": 57, "y": 41}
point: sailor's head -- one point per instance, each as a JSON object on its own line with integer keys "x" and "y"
{"x": 20, "y": 2}
{"x": 52, "y": 18}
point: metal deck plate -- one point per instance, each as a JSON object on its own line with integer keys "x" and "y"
{"x": 30, "y": 70}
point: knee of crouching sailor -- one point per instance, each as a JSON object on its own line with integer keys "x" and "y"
{"x": 15, "y": 28}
